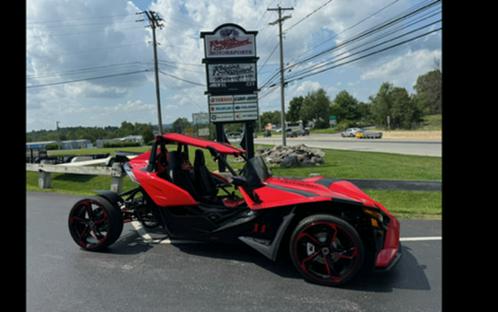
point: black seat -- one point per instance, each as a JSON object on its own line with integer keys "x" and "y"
{"x": 182, "y": 178}
{"x": 203, "y": 179}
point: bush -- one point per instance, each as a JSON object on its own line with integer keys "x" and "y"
{"x": 52, "y": 146}
{"x": 344, "y": 124}
{"x": 121, "y": 144}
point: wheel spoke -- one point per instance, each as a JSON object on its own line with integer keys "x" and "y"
{"x": 341, "y": 254}
{"x": 102, "y": 219}
{"x": 83, "y": 235}
{"x": 331, "y": 237}
{"x": 308, "y": 258}
{"x": 308, "y": 236}
{"x": 329, "y": 266}
{"x": 78, "y": 219}
{"x": 89, "y": 211}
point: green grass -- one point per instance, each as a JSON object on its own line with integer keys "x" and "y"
{"x": 410, "y": 204}
{"x": 370, "y": 165}
{"x": 432, "y": 122}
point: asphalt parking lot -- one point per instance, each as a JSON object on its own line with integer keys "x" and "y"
{"x": 138, "y": 276}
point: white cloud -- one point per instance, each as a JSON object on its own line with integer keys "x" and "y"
{"x": 404, "y": 69}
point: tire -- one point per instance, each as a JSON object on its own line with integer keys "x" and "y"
{"x": 94, "y": 223}
{"x": 326, "y": 250}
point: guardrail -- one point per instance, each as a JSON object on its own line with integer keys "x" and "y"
{"x": 45, "y": 179}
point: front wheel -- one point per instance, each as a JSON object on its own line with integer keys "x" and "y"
{"x": 94, "y": 223}
{"x": 326, "y": 250}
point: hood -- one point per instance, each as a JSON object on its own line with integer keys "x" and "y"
{"x": 339, "y": 190}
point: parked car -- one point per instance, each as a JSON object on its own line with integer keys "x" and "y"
{"x": 330, "y": 228}
{"x": 350, "y": 132}
{"x": 291, "y": 133}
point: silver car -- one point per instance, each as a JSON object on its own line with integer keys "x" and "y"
{"x": 350, "y": 132}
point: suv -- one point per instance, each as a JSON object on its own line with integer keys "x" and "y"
{"x": 350, "y": 132}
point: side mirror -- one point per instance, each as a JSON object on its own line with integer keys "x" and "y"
{"x": 239, "y": 181}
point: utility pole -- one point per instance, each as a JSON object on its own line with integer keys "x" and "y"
{"x": 154, "y": 19}
{"x": 282, "y": 83}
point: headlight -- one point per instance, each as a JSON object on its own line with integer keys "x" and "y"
{"x": 376, "y": 216}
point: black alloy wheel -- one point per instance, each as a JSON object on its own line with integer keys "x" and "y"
{"x": 94, "y": 223}
{"x": 326, "y": 250}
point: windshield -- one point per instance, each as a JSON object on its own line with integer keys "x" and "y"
{"x": 255, "y": 171}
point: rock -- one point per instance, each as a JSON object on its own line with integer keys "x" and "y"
{"x": 292, "y": 156}
{"x": 289, "y": 161}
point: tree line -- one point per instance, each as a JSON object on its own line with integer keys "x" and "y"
{"x": 390, "y": 104}
{"x": 93, "y": 133}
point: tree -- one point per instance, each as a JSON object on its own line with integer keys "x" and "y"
{"x": 428, "y": 92}
{"x": 295, "y": 106}
{"x": 396, "y": 103}
{"x": 345, "y": 107}
{"x": 316, "y": 107}
{"x": 180, "y": 125}
{"x": 270, "y": 117}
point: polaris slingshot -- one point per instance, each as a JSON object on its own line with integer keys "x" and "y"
{"x": 329, "y": 228}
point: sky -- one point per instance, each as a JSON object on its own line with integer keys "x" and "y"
{"x": 90, "y": 63}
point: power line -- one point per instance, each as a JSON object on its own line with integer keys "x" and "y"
{"x": 85, "y": 79}
{"x": 308, "y": 15}
{"x": 367, "y": 55}
{"x": 270, "y": 55}
{"x": 314, "y": 67}
{"x": 77, "y": 25}
{"x": 182, "y": 79}
{"x": 83, "y": 32}
{"x": 366, "y": 33}
{"x": 363, "y": 34}
{"x": 189, "y": 64}
{"x": 350, "y": 27}
{"x": 82, "y": 69}
{"x": 82, "y": 18}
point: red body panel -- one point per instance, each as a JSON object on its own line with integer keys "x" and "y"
{"x": 391, "y": 241}
{"x": 162, "y": 192}
{"x": 219, "y": 147}
{"x": 273, "y": 197}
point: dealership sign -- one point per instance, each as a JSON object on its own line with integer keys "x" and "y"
{"x": 231, "y": 73}
{"x": 232, "y": 76}
{"x": 229, "y": 41}
{"x": 229, "y": 108}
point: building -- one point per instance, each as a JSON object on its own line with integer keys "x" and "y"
{"x": 76, "y": 144}
{"x": 39, "y": 145}
{"x": 131, "y": 138}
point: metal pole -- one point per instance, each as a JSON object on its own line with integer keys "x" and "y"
{"x": 282, "y": 81}
{"x": 156, "y": 71}
{"x": 282, "y": 93}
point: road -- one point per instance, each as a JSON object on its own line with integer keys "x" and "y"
{"x": 335, "y": 141}
{"x": 135, "y": 276}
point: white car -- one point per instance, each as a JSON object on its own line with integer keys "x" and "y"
{"x": 350, "y": 132}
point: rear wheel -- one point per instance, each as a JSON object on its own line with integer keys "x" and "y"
{"x": 326, "y": 250}
{"x": 94, "y": 223}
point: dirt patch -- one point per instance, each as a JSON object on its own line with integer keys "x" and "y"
{"x": 413, "y": 135}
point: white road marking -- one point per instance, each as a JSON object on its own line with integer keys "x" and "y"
{"x": 424, "y": 238}
{"x": 141, "y": 231}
